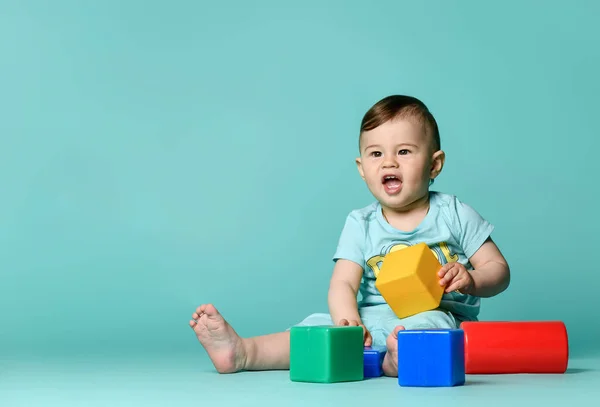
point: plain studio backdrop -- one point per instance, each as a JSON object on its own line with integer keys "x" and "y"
{"x": 158, "y": 155}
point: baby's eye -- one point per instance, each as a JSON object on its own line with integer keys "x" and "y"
{"x": 403, "y": 152}
{"x": 376, "y": 153}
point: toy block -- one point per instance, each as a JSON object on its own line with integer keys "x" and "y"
{"x": 326, "y": 354}
{"x": 373, "y": 361}
{"x": 408, "y": 280}
{"x": 515, "y": 347}
{"x": 431, "y": 358}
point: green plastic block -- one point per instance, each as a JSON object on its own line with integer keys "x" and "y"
{"x": 326, "y": 354}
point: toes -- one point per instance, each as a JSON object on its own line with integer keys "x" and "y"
{"x": 398, "y": 329}
{"x": 205, "y": 309}
{"x": 193, "y": 323}
{"x": 209, "y": 310}
{"x": 393, "y": 337}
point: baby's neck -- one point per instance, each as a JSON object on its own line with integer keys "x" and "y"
{"x": 408, "y": 218}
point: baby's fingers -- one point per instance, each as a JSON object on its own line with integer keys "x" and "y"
{"x": 445, "y": 269}
{"x": 449, "y": 276}
{"x": 368, "y": 337}
{"x": 456, "y": 285}
{"x": 345, "y": 322}
{"x": 366, "y": 334}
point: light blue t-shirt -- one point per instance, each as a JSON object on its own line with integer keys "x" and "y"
{"x": 453, "y": 230}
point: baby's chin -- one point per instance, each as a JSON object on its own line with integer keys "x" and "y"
{"x": 398, "y": 203}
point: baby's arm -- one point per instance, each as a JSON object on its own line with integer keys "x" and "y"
{"x": 343, "y": 289}
{"x": 491, "y": 274}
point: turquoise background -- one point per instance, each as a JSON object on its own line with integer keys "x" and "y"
{"x": 158, "y": 155}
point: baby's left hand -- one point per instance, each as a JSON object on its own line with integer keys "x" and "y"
{"x": 456, "y": 278}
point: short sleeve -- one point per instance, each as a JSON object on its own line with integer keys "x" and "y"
{"x": 472, "y": 229}
{"x": 352, "y": 241}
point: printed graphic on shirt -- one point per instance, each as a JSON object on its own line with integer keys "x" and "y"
{"x": 440, "y": 250}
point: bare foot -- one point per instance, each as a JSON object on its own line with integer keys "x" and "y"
{"x": 390, "y": 361}
{"x": 223, "y": 345}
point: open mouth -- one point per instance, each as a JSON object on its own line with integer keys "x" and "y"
{"x": 391, "y": 183}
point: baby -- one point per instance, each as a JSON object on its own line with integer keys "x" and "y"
{"x": 400, "y": 156}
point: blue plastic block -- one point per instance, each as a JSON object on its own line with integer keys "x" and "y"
{"x": 431, "y": 358}
{"x": 373, "y": 360}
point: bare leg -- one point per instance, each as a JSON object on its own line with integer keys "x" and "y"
{"x": 269, "y": 352}
{"x": 230, "y": 353}
{"x": 390, "y": 360}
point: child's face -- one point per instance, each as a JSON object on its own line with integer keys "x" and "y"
{"x": 397, "y": 160}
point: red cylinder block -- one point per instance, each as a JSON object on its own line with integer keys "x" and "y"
{"x": 515, "y": 347}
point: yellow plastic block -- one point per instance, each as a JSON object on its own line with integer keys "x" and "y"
{"x": 408, "y": 280}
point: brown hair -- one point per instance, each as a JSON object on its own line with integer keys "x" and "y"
{"x": 401, "y": 106}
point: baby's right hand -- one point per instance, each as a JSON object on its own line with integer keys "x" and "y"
{"x": 368, "y": 340}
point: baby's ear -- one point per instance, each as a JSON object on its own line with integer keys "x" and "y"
{"x": 360, "y": 167}
{"x": 437, "y": 163}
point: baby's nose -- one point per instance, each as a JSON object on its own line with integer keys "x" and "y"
{"x": 390, "y": 162}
